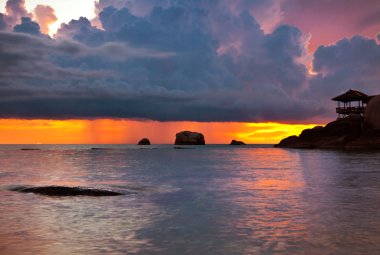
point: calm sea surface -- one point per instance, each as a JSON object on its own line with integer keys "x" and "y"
{"x": 207, "y": 200}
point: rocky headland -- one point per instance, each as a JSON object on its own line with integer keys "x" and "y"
{"x": 352, "y": 132}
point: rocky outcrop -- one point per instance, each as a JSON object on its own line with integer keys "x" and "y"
{"x": 336, "y": 134}
{"x": 371, "y": 122}
{"x": 370, "y": 136}
{"x": 234, "y": 142}
{"x": 144, "y": 141}
{"x": 189, "y": 138}
{"x": 67, "y": 191}
{"x": 352, "y": 132}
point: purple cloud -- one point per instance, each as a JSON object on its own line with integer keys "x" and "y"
{"x": 176, "y": 60}
{"x": 15, "y": 10}
{"x": 27, "y": 26}
{"x": 350, "y": 63}
{"x": 3, "y": 23}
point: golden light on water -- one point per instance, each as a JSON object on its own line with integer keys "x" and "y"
{"x": 108, "y": 131}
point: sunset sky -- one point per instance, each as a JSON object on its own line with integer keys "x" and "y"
{"x": 114, "y": 71}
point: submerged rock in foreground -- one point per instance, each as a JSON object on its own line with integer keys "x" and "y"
{"x": 67, "y": 191}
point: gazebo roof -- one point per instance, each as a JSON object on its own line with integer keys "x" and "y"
{"x": 351, "y": 95}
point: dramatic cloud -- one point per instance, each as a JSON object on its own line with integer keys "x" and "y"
{"x": 167, "y": 60}
{"x": 138, "y": 8}
{"x": 17, "y": 16}
{"x": 330, "y": 20}
{"x": 15, "y": 10}
{"x": 27, "y": 26}
{"x": 350, "y": 63}
{"x": 81, "y": 30}
{"x": 45, "y": 16}
{"x": 3, "y": 23}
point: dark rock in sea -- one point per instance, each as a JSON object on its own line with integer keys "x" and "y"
{"x": 67, "y": 191}
{"x": 144, "y": 141}
{"x": 352, "y": 132}
{"x": 234, "y": 142}
{"x": 189, "y": 138}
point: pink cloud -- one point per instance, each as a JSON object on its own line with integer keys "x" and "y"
{"x": 330, "y": 20}
{"x": 15, "y": 10}
{"x": 44, "y": 15}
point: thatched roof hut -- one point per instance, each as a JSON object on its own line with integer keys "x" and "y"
{"x": 358, "y": 107}
{"x": 351, "y": 96}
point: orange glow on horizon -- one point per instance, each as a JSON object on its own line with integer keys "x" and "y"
{"x": 108, "y": 131}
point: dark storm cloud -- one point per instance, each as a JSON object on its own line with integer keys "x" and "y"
{"x": 350, "y": 63}
{"x": 81, "y": 30}
{"x": 171, "y": 106}
{"x": 23, "y": 55}
{"x": 170, "y": 60}
{"x": 28, "y": 60}
{"x": 3, "y": 23}
{"x": 27, "y": 26}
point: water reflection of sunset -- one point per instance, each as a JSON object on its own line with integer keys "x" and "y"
{"x": 270, "y": 186}
{"x": 108, "y": 131}
{"x": 288, "y": 179}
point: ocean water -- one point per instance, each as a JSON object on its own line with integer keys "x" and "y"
{"x": 205, "y": 200}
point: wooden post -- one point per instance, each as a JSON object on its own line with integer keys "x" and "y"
{"x": 345, "y": 108}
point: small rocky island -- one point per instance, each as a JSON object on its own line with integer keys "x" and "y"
{"x": 144, "y": 141}
{"x": 189, "y": 138}
{"x": 235, "y": 142}
{"x": 357, "y": 127}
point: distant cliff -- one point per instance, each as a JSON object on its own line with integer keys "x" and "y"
{"x": 353, "y": 132}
